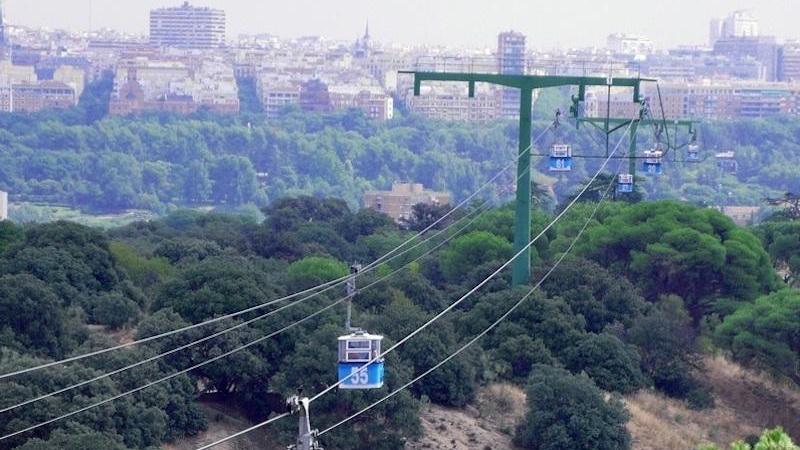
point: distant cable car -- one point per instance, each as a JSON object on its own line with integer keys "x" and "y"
{"x": 561, "y": 158}
{"x": 625, "y": 184}
{"x": 356, "y": 350}
{"x": 652, "y": 162}
{"x": 693, "y": 152}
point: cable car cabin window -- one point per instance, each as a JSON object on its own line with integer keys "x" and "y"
{"x": 358, "y": 357}
{"x": 358, "y": 345}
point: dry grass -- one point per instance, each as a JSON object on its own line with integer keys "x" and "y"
{"x": 660, "y": 423}
{"x": 746, "y": 403}
{"x": 487, "y": 425}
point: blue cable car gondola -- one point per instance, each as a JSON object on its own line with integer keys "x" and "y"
{"x": 356, "y": 350}
{"x": 625, "y": 184}
{"x": 652, "y": 162}
{"x": 561, "y": 158}
{"x": 693, "y": 153}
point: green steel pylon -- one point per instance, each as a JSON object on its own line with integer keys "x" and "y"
{"x": 526, "y": 84}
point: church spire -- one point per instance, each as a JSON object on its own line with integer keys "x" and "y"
{"x": 366, "y": 31}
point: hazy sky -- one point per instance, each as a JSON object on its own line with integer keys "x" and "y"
{"x": 548, "y": 24}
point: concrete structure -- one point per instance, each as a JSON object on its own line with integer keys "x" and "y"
{"x": 714, "y": 31}
{"x": 3, "y": 205}
{"x": 789, "y": 62}
{"x": 452, "y": 103}
{"x": 72, "y": 76}
{"x": 315, "y": 96}
{"x": 695, "y": 65}
{"x": 628, "y": 44}
{"x": 187, "y": 26}
{"x": 763, "y": 49}
{"x": 716, "y": 100}
{"x": 399, "y": 202}
{"x": 142, "y": 84}
{"x": 42, "y": 96}
{"x": 2, "y": 32}
{"x": 276, "y": 95}
{"x": 739, "y": 24}
{"x": 13, "y": 73}
{"x": 741, "y": 215}
{"x": 510, "y": 61}
{"x": 21, "y": 90}
{"x": 375, "y": 103}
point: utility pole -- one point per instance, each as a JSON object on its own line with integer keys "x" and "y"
{"x": 351, "y": 292}
{"x": 306, "y": 437}
{"x": 526, "y": 84}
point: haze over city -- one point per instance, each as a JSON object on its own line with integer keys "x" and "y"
{"x": 554, "y": 24}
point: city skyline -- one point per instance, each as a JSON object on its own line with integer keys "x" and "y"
{"x": 569, "y": 24}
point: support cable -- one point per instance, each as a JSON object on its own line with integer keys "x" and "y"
{"x": 493, "y": 325}
{"x": 506, "y": 264}
{"x": 240, "y": 348}
{"x": 480, "y": 210}
{"x": 245, "y": 431}
{"x": 327, "y": 286}
{"x": 479, "y": 285}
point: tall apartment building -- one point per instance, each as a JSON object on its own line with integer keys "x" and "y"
{"x": 187, "y": 26}
{"x": 399, "y": 202}
{"x": 714, "y": 31}
{"x": 739, "y": 40}
{"x": 510, "y": 61}
{"x": 706, "y": 100}
{"x": 789, "y": 62}
{"x": 452, "y": 103}
{"x": 763, "y": 49}
{"x": 730, "y": 100}
{"x": 740, "y": 24}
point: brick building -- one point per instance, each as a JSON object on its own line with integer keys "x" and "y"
{"x": 41, "y": 96}
{"x": 399, "y": 202}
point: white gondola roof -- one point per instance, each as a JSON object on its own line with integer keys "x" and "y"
{"x": 361, "y": 336}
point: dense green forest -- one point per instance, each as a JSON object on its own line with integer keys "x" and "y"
{"x": 84, "y": 159}
{"x": 647, "y": 290}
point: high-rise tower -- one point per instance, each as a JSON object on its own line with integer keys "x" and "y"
{"x": 188, "y": 26}
{"x": 2, "y": 31}
{"x": 510, "y": 61}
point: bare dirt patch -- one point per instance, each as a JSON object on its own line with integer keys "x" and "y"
{"x": 487, "y": 425}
